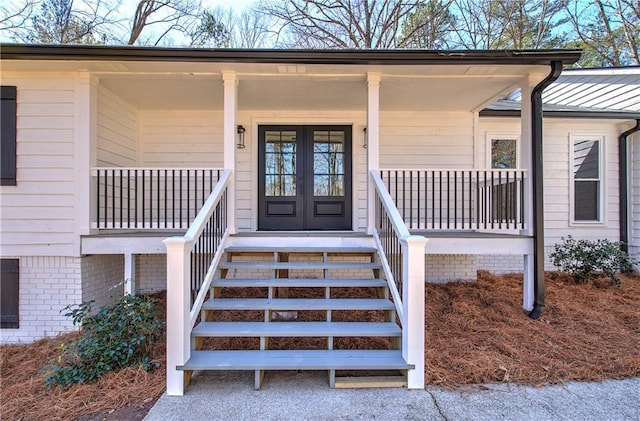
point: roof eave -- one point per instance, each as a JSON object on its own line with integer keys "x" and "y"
{"x": 381, "y": 57}
{"x": 617, "y": 115}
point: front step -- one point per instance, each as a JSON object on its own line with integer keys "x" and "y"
{"x": 339, "y": 359}
{"x": 295, "y": 329}
{"x": 248, "y": 274}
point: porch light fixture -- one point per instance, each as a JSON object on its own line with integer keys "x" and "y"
{"x": 240, "y": 130}
{"x": 364, "y": 138}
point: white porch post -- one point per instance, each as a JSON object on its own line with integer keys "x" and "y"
{"x": 86, "y": 100}
{"x": 413, "y": 302}
{"x": 373, "y": 143}
{"x": 130, "y": 274}
{"x": 230, "y": 81}
{"x": 178, "y": 322}
{"x": 526, "y": 162}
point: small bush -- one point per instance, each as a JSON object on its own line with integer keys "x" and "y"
{"x": 116, "y": 336}
{"x": 585, "y": 259}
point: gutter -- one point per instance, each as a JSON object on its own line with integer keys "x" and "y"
{"x": 298, "y": 56}
{"x": 623, "y": 183}
{"x": 538, "y": 188}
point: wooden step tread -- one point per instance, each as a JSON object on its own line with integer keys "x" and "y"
{"x": 297, "y": 360}
{"x": 299, "y": 265}
{"x": 302, "y": 249}
{"x": 295, "y": 329}
{"x": 298, "y": 304}
{"x": 299, "y": 282}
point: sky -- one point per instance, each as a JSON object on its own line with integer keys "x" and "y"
{"x": 127, "y": 8}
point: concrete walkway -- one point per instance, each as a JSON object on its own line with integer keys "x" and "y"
{"x": 307, "y": 396}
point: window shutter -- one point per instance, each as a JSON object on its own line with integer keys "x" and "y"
{"x": 8, "y": 136}
{"x": 9, "y": 293}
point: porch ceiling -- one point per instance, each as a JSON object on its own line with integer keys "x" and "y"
{"x": 198, "y": 85}
{"x": 301, "y": 92}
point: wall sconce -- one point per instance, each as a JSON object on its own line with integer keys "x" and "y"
{"x": 241, "y": 130}
{"x": 364, "y": 138}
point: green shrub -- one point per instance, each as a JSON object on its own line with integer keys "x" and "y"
{"x": 116, "y": 336}
{"x": 585, "y": 259}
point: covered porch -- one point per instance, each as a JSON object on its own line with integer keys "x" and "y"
{"x": 184, "y": 148}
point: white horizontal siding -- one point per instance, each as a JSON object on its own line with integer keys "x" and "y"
{"x": 117, "y": 129}
{"x": 557, "y": 146}
{"x": 181, "y": 138}
{"x": 37, "y": 215}
{"x": 426, "y": 139}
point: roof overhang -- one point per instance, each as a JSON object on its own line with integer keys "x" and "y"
{"x": 384, "y": 57}
{"x": 187, "y": 78}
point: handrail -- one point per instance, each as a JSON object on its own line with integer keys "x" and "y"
{"x": 403, "y": 262}
{"x": 402, "y": 233}
{"x": 398, "y": 224}
{"x": 94, "y": 170}
{"x": 192, "y": 260}
{"x": 195, "y": 231}
{"x": 514, "y": 170}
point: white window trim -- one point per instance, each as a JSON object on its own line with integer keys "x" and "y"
{"x": 601, "y": 194}
{"x": 502, "y": 135}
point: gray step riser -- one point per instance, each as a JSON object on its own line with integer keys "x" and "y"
{"x": 298, "y": 283}
{"x": 299, "y": 265}
{"x": 298, "y": 304}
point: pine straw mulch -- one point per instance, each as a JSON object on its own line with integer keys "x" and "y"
{"x": 476, "y": 333}
{"x": 127, "y": 394}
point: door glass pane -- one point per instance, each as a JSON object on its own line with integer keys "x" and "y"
{"x": 328, "y": 163}
{"x": 280, "y": 163}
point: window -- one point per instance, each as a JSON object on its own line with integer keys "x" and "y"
{"x": 9, "y": 294}
{"x": 504, "y": 153}
{"x": 587, "y": 179}
{"x": 8, "y": 136}
{"x": 503, "y": 194}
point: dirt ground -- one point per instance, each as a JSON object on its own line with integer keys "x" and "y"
{"x": 476, "y": 332}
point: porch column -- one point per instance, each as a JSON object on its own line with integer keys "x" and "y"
{"x": 85, "y": 136}
{"x": 230, "y": 81}
{"x": 526, "y": 162}
{"x": 373, "y": 143}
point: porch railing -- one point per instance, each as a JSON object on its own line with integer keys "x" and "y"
{"x": 458, "y": 199}
{"x": 403, "y": 261}
{"x": 191, "y": 264}
{"x": 150, "y": 198}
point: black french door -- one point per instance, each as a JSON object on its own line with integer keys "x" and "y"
{"x": 304, "y": 178}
